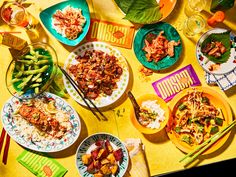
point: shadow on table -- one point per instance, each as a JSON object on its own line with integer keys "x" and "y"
{"x": 230, "y": 92}
{"x": 175, "y": 13}
{"x": 159, "y": 137}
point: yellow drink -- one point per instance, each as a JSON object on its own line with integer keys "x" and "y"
{"x": 193, "y": 25}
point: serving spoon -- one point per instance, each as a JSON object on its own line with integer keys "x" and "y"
{"x": 135, "y": 104}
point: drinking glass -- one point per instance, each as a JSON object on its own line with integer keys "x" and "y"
{"x": 194, "y": 6}
{"x": 14, "y": 14}
{"x": 193, "y": 25}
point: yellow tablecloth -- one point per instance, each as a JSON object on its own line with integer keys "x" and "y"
{"x": 162, "y": 155}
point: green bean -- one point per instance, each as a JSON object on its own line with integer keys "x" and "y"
{"x": 19, "y": 74}
{"x": 40, "y": 62}
{"x": 29, "y": 57}
{"x": 35, "y": 85}
{"x": 32, "y": 52}
{"x": 21, "y": 93}
{"x": 36, "y": 90}
{"x": 22, "y": 67}
{"x": 31, "y": 62}
{"x": 15, "y": 80}
{"x": 18, "y": 67}
{"x": 39, "y": 80}
{"x": 43, "y": 56}
{"x": 36, "y": 77}
{"x": 36, "y": 71}
{"x": 24, "y": 83}
{"x": 26, "y": 78}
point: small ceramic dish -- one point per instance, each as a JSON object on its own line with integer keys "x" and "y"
{"x": 163, "y": 106}
{"x": 89, "y": 144}
{"x": 169, "y": 32}
{"x": 46, "y": 16}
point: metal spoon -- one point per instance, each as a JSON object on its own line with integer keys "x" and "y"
{"x": 135, "y": 104}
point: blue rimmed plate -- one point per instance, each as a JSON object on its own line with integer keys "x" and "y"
{"x": 169, "y": 32}
{"x": 46, "y": 18}
{"x": 21, "y": 133}
{"x": 207, "y": 64}
{"x": 88, "y": 144}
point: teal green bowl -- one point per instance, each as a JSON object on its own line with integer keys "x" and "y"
{"x": 46, "y": 18}
{"x": 169, "y": 32}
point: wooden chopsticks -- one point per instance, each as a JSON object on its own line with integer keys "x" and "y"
{"x": 82, "y": 95}
{"x": 7, "y": 144}
{"x": 204, "y": 146}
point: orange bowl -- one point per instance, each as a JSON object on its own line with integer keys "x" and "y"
{"x": 162, "y": 104}
{"x": 167, "y": 6}
{"x": 217, "y": 100}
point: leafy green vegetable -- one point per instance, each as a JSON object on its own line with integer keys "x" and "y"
{"x": 221, "y": 5}
{"x": 219, "y": 121}
{"x": 221, "y": 37}
{"x": 182, "y": 107}
{"x": 187, "y": 139}
{"x": 200, "y": 127}
{"x": 177, "y": 129}
{"x": 140, "y": 11}
{"x": 214, "y": 130}
{"x": 124, "y": 4}
{"x": 205, "y": 100}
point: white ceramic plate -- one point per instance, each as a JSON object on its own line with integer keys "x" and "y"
{"x": 205, "y": 63}
{"x": 88, "y": 144}
{"x": 102, "y": 100}
{"x": 52, "y": 145}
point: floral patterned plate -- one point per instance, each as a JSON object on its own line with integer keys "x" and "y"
{"x": 206, "y": 63}
{"x": 53, "y": 145}
{"x": 102, "y": 100}
{"x": 87, "y": 145}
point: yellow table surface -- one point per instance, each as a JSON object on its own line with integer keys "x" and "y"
{"x": 161, "y": 153}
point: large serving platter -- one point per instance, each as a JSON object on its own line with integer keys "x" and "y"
{"x": 102, "y": 100}
{"x": 216, "y": 99}
{"x": 52, "y": 145}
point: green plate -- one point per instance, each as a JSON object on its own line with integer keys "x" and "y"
{"x": 46, "y": 18}
{"x": 169, "y": 32}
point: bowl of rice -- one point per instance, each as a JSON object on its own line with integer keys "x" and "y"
{"x": 67, "y": 21}
{"x": 154, "y": 114}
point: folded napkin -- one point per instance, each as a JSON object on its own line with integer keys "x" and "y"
{"x": 40, "y": 165}
{"x": 224, "y": 81}
{"x": 138, "y": 165}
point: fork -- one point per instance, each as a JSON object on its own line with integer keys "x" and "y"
{"x": 7, "y": 144}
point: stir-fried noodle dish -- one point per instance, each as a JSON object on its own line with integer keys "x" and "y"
{"x": 196, "y": 119}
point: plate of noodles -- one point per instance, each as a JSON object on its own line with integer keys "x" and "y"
{"x": 197, "y": 114}
{"x": 67, "y": 21}
{"x": 45, "y": 123}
